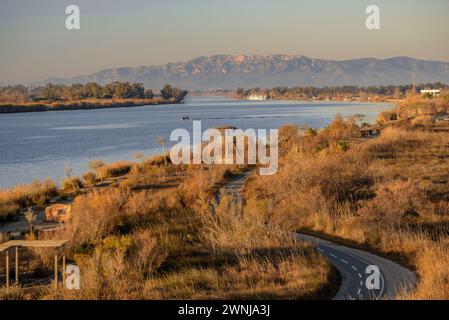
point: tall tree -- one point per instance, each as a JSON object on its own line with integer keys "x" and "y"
{"x": 167, "y": 92}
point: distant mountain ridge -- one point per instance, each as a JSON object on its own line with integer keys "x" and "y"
{"x": 232, "y": 71}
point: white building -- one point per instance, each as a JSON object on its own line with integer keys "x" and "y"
{"x": 431, "y": 92}
{"x": 257, "y": 97}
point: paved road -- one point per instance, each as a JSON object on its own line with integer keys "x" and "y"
{"x": 235, "y": 186}
{"x": 351, "y": 263}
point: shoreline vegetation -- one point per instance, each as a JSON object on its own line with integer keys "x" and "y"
{"x": 17, "y": 99}
{"x": 388, "y": 193}
{"x": 85, "y": 104}
{"x": 154, "y": 230}
{"x": 344, "y": 94}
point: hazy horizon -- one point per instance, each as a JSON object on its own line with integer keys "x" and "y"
{"x": 36, "y": 45}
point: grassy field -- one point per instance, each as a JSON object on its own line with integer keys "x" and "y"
{"x": 389, "y": 194}
{"x": 156, "y": 232}
{"x": 153, "y": 230}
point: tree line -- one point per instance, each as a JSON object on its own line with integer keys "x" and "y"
{"x": 398, "y": 91}
{"x": 92, "y": 90}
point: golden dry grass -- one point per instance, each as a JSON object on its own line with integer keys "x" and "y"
{"x": 77, "y": 104}
{"x": 389, "y": 193}
{"x": 115, "y": 169}
{"x": 33, "y": 194}
{"x": 166, "y": 241}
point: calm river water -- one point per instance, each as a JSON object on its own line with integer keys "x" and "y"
{"x": 39, "y": 145}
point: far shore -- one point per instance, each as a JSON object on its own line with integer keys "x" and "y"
{"x": 84, "y": 104}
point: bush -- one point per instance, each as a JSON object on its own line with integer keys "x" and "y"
{"x": 71, "y": 184}
{"x": 396, "y": 199}
{"x": 21, "y": 196}
{"x": 8, "y": 211}
{"x": 13, "y": 293}
{"x": 95, "y": 215}
{"x": 115, "y": 169}
{"x": 90, "y": 179}
{"x": 387, "y": 116}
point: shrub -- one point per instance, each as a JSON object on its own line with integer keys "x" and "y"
{"x": 397, "y": 199}
{"x": 387, "y": 116}
{"x": 95, "y": 215}
{"x": 96, "y": 165}
{"x": 90, "y": 179}
{"x": 13, "y": 293}
{"x": 21, "y": 196}
{"x": 115, "y": 169}
{"x": 8, "y": 211}
{"x": 344, "y": 145}
{"x": 71, "y": 184}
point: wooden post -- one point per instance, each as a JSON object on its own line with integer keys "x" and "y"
{"x": 56, "y": 269}
{"x": 17, "y": 266}
{"x": 7, "y": 269}
{"x": 63, "y": 270}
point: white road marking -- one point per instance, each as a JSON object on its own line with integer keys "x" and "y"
{"x": 343, "y": 260}
{"x": 354, "y": 268}
{"x": 360, "y": 275}
{"x": 358, "y": 291}
{"x": 368, "y": 263}
{"x": 362, "y": 260}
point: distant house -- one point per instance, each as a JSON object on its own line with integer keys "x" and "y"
{"x": 431, "y": 92}
{"x": 257, "y": 97}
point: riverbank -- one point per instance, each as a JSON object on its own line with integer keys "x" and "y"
{"x": 155, "y": 225}
{"x": 38, "y": 145}
{"x": 388, "y": 194}
{"x": 395, "y": 94}
{"x": 265, "y": 97}
{"x": 84, "y": 104}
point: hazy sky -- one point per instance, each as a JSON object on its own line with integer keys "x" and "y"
{"x": 35, "y": 43}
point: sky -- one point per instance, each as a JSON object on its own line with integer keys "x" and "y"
{"x": 35, "y": 44}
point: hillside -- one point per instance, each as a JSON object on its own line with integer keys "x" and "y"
{"x": 230, "y": 72}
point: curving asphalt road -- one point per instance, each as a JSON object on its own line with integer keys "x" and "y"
{"x": 235, "y": 186}
{"x": 351, "y": 263}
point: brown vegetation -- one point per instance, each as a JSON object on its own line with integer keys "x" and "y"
{"x": 389, "y": 194}
{"x": 71, "y": 184}
{"x": 84, "y": 104}
{"x": 159, "y": 234}
{"x": 115, "y": 169}
{"x": 22, "y": 196}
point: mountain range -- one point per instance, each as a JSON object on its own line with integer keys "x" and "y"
{"x": 266, "y": 71}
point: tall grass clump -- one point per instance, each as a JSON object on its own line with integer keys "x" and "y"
{"x": 27, "y": 195}
{"x": 113, "y": 170}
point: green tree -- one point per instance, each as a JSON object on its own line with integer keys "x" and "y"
{"x": 93, "y": 90}
{"x": 77, "y": 91}
{"x": 167, "y": 92}
{"x": 137, "y": 91}
{"x": 51, "y": 92}
{"x": 179, "y": 94}
{"x": 149, "y": 94}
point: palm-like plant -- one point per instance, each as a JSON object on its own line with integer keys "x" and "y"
{"x": 161, "y": 141}
{"x": 30, "y": 217}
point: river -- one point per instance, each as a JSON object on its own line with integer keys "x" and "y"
{"x": 40, "y": 145}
